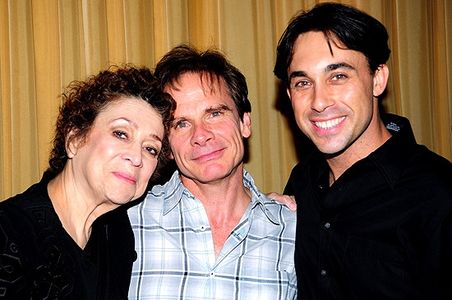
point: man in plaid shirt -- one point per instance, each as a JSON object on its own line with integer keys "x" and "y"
{"x": 209, "y": 233}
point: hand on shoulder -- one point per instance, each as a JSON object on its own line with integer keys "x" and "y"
{"x": 287, "y": 200}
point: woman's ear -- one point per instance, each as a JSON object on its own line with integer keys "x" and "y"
{"x": 380, "y": 80}
{"x": 170, "y": 155}
{"x": 72, "y": 144}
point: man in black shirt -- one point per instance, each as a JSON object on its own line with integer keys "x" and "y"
{"x": 374, "y": 207}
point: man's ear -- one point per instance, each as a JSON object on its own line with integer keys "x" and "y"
{"x": 246, "y": 125}
{"x": 380, "y": 80}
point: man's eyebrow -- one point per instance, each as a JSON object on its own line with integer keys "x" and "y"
{"x": 330, "y": 67}
{"x": 177, "y": 119}
{"x": 297, "y": 74}
{"x": 333, "y": 67}
{"x": 218, "y": 107}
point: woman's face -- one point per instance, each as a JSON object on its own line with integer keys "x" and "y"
{"x": 119, "y": 154}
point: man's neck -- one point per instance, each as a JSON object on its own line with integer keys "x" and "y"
{"x": 369, "y": 141}
{"x": 225, "y": 202}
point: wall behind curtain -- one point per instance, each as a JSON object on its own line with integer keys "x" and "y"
{"x": 45, "y": 44}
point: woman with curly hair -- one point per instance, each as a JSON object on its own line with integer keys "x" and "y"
{"x": 67, "y": 237}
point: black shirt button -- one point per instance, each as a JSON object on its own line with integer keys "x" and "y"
{"x": 327, "y": 225}
{"x": 323, "y": 272}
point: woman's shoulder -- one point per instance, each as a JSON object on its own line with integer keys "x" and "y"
{"x": 30, "y": 204}
{"x": 17, "y": 243}
{"x": 23, "y": 216}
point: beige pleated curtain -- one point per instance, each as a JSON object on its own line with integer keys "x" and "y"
{"x": 45, "y": 44}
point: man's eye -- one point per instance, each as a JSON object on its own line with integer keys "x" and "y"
{"x": 216, "y": 113}
{"x": 300, "y": 83}
{"x": 339, "y": 76}
{"x": 180, "y": 124}
{"x": 120, "y": 134}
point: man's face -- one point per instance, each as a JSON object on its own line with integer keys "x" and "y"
{"x": 206, "y": 136}
{"x": 332, "y": 94}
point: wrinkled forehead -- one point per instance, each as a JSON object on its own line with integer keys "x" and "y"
{"x": 210, "y": 82}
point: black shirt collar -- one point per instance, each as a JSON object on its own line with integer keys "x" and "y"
{"x": 390, "y": 159}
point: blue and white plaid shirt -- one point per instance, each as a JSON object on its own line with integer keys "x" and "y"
{"x": 176, "y": 257}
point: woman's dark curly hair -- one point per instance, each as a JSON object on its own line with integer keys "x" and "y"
{"x": 84, "y": 100}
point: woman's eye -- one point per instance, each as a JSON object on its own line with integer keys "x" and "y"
{"x": 120, "y": 134}
{"x": 153, "y": 151}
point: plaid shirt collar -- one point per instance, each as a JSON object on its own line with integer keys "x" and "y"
{"x": 178, "y": 191}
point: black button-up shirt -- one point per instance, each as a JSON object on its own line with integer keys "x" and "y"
{"x": 383, "y": 230}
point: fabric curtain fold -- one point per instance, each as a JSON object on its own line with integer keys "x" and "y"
{"x": 45, "y": 44}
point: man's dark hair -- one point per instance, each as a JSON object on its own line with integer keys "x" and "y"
{"x": 186, "y": 59}
{"x": 355, "y": 29}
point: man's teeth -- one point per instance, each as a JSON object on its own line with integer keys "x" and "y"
{"x": 329, "y": 123}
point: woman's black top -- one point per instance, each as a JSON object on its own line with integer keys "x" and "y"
{"x": 39, "y": 260}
